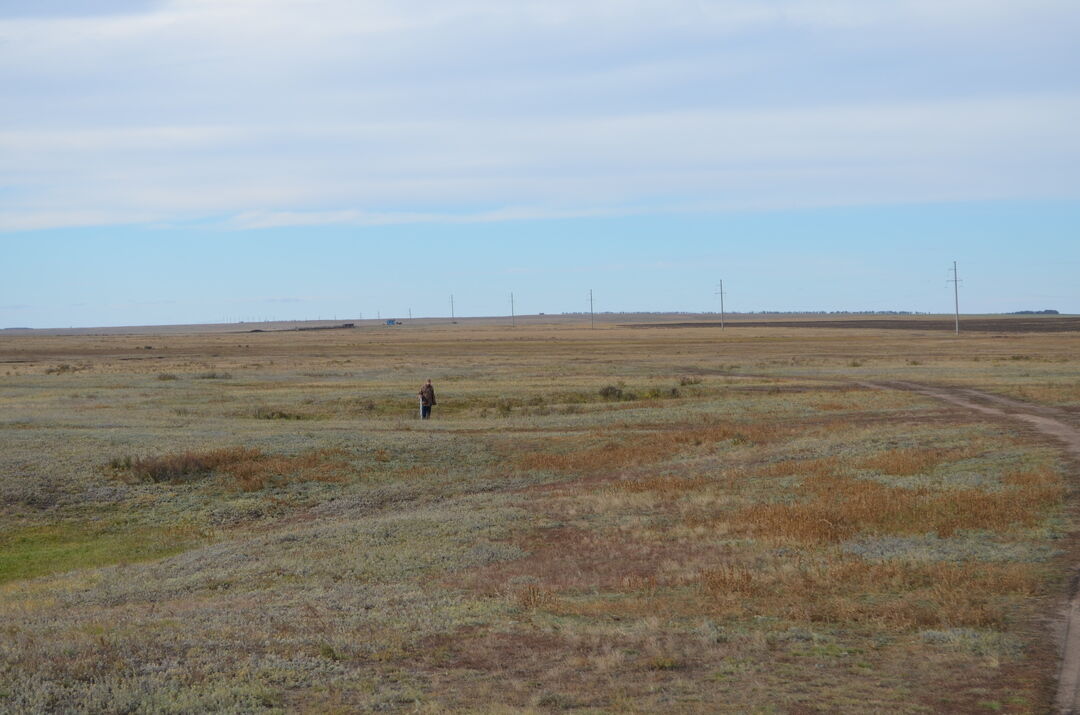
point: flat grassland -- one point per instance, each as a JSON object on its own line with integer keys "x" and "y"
{"x": 677, "y": 520}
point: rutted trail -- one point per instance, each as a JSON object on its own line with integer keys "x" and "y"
{"x": 1053, "y": 422}
{"x": 1048, "y": 420}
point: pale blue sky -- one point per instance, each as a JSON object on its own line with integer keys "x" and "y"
{"x": 196, "y": 160}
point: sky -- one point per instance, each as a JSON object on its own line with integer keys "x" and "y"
{"x": 191, "y": 161}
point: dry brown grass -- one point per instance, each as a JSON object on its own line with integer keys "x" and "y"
{"x": 902, "y": 595}
{"x": 663, "y": 486}
{"x": 248, "y": 469}
{"x": 837, "y": 508}
{"x": 819, "y": 467}
{"x": 647, "y": 449}
{"x": 571, "y": 560}
{"x": 662, "y": 617}
{"x": 832, "y": 406}
{"x": 906, "y": 462}
{"x": 534, "y": 597}
{"x": 1042, "y": 478}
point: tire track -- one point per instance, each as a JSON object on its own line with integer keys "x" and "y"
{"x": 1049, "y": 421}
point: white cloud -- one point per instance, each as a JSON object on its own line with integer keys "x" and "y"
{"x": 323, "y": 111}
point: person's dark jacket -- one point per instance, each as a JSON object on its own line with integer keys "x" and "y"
{"x": 427, "y": 395}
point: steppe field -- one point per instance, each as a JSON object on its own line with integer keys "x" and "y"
{"x": 763, "y": 519}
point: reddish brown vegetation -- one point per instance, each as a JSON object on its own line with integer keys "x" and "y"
{"x": 249, "y": 469}
{"x": 646, "y": 449}
{"x": 851, "y": 590}
{"x": 822, "y": 467}
{"x": 840, "y": 507}
{"x": 662, "y": 486}
{"x": 572, "y": 560}
{"x": 905, "y": 462}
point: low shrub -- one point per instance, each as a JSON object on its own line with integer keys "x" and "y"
{"x": 611, "y": 392}
{"x": 64, "y": 368}
{"x": 270, "y": 413}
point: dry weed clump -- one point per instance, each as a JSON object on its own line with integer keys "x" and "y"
{"x": 65, "y": 368}
{"x": 904, "y": 595}
{"x": 249, "y": 469}
{"x": 837, "y": 508}
{"x": 535, "y": 598}
{"x": 271, "y": 413}
{"x": 647, "y": 449}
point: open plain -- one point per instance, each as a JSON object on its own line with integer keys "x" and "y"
{"x": 771, "y": 518}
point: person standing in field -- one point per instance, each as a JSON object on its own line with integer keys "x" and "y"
{"x": 427, "y": 399}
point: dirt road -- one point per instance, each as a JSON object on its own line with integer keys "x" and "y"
{"x": 1055, "y": 423}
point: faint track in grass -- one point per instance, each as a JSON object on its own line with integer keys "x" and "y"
{"x": 1055, "y": 423}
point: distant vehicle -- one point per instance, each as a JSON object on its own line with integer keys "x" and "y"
{"x": 392, "y": 323}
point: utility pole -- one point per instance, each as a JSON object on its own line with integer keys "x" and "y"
{"x": 410, "y": 313}
{"x": 451, "y": 305}
{"x": 592, "y": 316}
{"x": 720, "y": 292}
{"x": 956, "y": 295}
{"x": 513, "y": 318}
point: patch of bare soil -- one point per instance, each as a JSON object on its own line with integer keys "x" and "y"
{"x": 1055, "y": 423}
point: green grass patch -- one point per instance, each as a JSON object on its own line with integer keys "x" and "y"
{"x": 55, "y": 548}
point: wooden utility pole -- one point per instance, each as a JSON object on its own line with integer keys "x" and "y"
{"x": 592, "y": 317}
{"x": 513, "y": 320}
{"x": 720, "y": 292}
{"x": 451, "y": 305}
{"x": 956, "y": 295}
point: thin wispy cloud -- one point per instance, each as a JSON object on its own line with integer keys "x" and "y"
{"x": 287, "y": 113}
